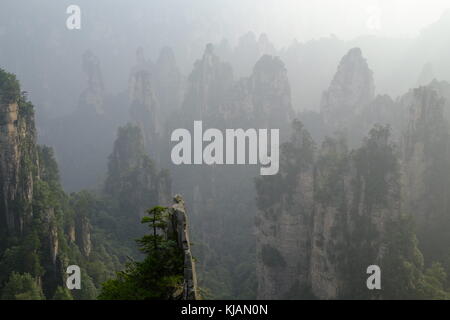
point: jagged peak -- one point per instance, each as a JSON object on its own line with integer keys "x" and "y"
{"x": 269, "y": 64}
{"x": 92, "y": 97}
{"x": 91, "y": 66}
{"x": 209, "y": 58}
{"x": 142, "y": 63}
{"x": 166, "y": 56}
{"x": 357, "y": 52}
{"x": 247, "y": 38}
{"x": 211, "y": 61}
{"x": 354, "y": 57}
{"x": 351, "y": 89}
{"x": 209, "y": 50}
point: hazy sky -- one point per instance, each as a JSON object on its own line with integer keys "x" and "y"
{"x": 285, "y": 19}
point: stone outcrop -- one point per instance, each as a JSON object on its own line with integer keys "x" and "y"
{"x": 323, "y": 219}
{"x": 145, "y": 108}
{"x": 350, "y": 91}
{"x": 83, "y": 234}
{"x": 426, "y": 164}
{"x": 261, "y": 100}
{"x": 93, "y": 97}
{"x": 18, "y": 157}
{"x": 208, "y": 86}
{"x": 81, "y": 158}
{"x": 132, "y": 176}
{"x": 284, "y": 223}
{"x": 178, "y": 230}
{"x": 271, "y": 93}
{"x": 31, "y": 214}
{"x": 169, "y": 83}
{"x": 248, "y": 51}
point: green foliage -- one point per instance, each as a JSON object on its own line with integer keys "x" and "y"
{"x": 9, "y": 87}
{"x": 62, "y": 293}
{"x": 159, "y": 275}
{"x": 296, "y": 156}
{"x": 49, "y": 237}
{"x": 403, "y": 266}
{"x": 378, "y": 169}
{"x": 332, "y": 166}
{"x": 88, "y": 289}
{"x": 133, "y": 183}
{"x": 22, "y": 287}
{"x": 49, "y": 168}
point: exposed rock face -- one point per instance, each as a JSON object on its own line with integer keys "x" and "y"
{"x": 17, "y": 157}
{"x": 329, "y": 220}
{"x": 249, "y": 50}
{"x": 82, "y": 158}
{"x": 145, "y": 108}
{"x": 132, "y": 176}
{"x": 351, "y": 89}
{"x": 169, "y": 82}
{"x": 94, "y": 95}
{"x": 208, "y": 86}
{"x": 317, "y": 57}
{"x": 83, "y": 234}
{"x": 261, "y": 100}
{"x": 178, "y": 230}
{"x": 426, "y": 168}
{"x": 271, "y": 93}
{"x": 323, "y": 219}
{"x": 31, "y": 215}
{"x": 284, "y": 223}
{"x": 443, "y": 90}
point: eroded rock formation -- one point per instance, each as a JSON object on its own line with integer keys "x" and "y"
{"x": 350, "y": 91}
{"x": 178, "y": 230}
{"x": 323, "y": 220}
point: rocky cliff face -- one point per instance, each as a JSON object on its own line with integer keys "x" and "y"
{"x": 284, "y": 222}
{"x": 83, "y": 234}
{"x": 248, "y": 51}
{"x": 93, "y": 97}
{"x": 32, "y": 216}
{"x": 208, "y": 86}
{"x": 145, "y": 108}
{"x": 82, "y": 158}
{"x": 218, "y": 195}
{"x": 132, "y": 176}
{"x": 271, "y": 93}
{"x": 178, "y": 230}
{"x": 426, "y": 164}
{"x": 169, "y": 83}
{"x": 18, "y": 156}
{"x": 323, "y": 219}
{"x": 350, "y": 91}
{"x": 155, "y": 95}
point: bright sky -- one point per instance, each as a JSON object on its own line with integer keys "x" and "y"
{"x": 306, "y": 19}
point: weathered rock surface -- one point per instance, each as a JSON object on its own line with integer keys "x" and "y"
{"x": 17, "y": 158}
{"x": 426, "y": 168}
{"x": 145, "y": 108}
{"x": 93, "y": 97}
{"x": 350, "y": 91}
{"x": 178, "y": 230}
{"x": 323, "y": 218}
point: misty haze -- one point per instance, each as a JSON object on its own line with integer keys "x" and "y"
{"x": 224, "y": 150}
